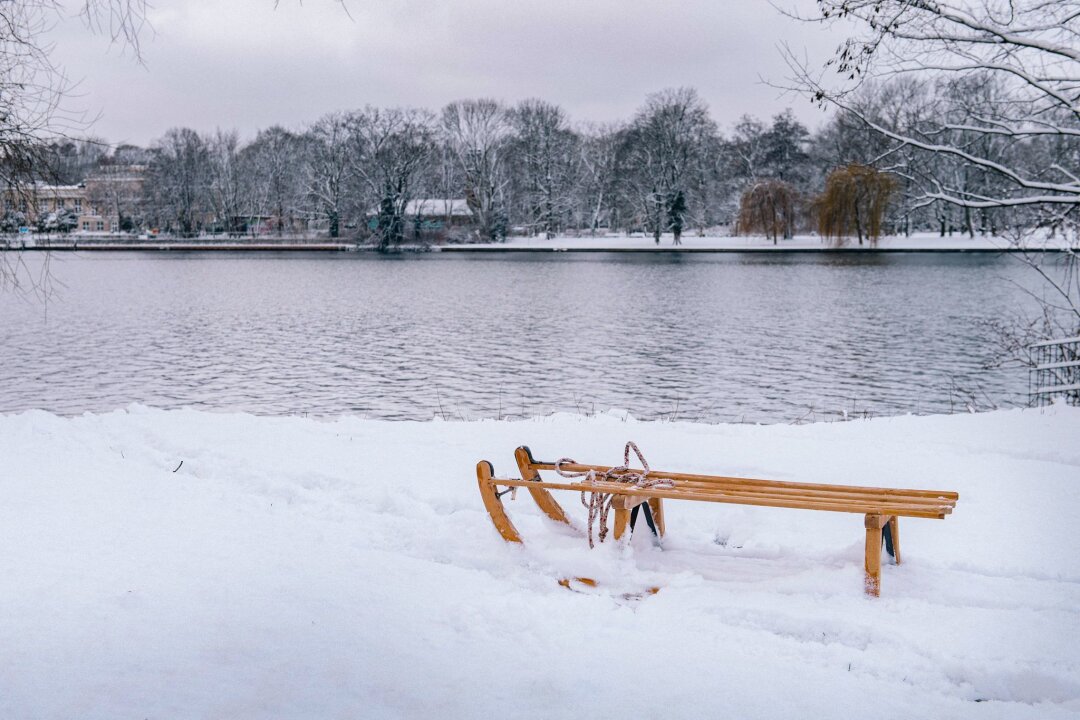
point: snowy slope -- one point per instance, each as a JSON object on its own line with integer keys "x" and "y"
{"x": 292, "y": 568}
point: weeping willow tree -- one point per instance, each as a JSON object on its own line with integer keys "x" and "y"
{"x": 854, "y": 202}
{"x": 768, "y": 208}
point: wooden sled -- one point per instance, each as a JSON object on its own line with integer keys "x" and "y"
{"x": 881, "y": 507}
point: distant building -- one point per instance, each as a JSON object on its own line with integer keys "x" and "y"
{"x": 431, "y": 219}
{"x": 114, "y": 194}
{"x": 439, "y": 213}
{"x": 58, "y": 208}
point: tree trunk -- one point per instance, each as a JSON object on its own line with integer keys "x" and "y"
{"x": 549, "y": 215}
{"x": 596, "y": 213}
{"x": 656, "y": 219}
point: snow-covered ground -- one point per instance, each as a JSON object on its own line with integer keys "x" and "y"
{"x": 917, "y": 241}
{"x": 293, "y": 568}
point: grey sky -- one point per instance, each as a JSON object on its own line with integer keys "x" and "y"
{"x": 243, "y": 64}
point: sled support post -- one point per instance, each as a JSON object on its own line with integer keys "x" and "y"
{"x": 543, "y": 498}
{"x": 493, "y": 504}
{"x": 894, "y": 533}
{"x": 657, "y": 507}
{"x": 622, "y": 521}
{"x": 872, "y": 564}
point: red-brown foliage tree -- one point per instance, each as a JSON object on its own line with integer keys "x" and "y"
{"x": 854, "y": 202}
{"x": 768, "y": 207}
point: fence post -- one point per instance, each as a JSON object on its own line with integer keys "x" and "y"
{"x": 1055, "y": 371}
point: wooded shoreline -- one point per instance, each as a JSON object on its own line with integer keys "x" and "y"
{"x": 489, "y": 249}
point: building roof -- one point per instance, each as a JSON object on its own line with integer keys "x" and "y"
{"x": 454, "y": 207}
{"x": 59, "y": 191}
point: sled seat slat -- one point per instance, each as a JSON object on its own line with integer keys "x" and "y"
{"x": 804, "y": 501}
{"x": 578, "y": 467}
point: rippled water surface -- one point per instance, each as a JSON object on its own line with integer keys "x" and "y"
{"x": 699, "y": 337}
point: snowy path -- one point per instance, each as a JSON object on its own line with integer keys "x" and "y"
{"x": 300, "y": 569}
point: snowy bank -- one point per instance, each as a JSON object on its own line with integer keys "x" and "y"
{"x": 189, "y": 564}
{"x": 917, "y": 242}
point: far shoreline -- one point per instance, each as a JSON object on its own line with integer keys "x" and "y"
{"x": 918, "y": 243}
{"x": 180, "y": 247}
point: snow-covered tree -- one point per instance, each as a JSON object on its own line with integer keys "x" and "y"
{"x": 177, "y": 182}
{"x": 1026, "y": 50}
{"x": 330, "y": 169}
{"x": 477, "y": 133}
{"x": 389, "y": 153}
{"x": 274, "y": 169}
{"x": 599, "y": 149}
{"x": 665, "y": 158}
{"x": 748, "y": 149}
{"x": 1011, "y": 143}
{"x": 69, "y": 161}
{"x": 545, "y": 161}
{"x": 226, "y": 190}
{"x": 785, "y": 150}
{"x": 36, "y": 93}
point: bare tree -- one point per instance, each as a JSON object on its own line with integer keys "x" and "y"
{"x": 69, "y": 160}
{"x": 274, "y": 166}
{"x": 177, "y": 186}
{"x": 226, "y": 182}
{"x": 545, "y": 159}
{"x": 599, "y": 154}
{"x": 35, "y": 92}
{"x": 785, "y": 149}
{"x": 767, "y": 168}
{"x": 1030, "y": 47}
{"x": 749, "y": 148}
{"x": 390, "y": 150}
{"x": 1015, "y": 146}
{"x": 666, "y": 155}
{"x": 478, "y": 133}
{"x": 640, "y": 182}
{"x": 330, "y": 168}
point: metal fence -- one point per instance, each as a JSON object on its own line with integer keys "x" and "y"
{"x": 1055, "y": 371}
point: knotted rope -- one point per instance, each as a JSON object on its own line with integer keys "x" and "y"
{"x": 599, "y": 503}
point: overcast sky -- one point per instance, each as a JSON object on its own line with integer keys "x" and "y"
{"x": 244, "y": 64}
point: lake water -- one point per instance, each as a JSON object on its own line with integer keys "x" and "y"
{"x": 733, "y": 337}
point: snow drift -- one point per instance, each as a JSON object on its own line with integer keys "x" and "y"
{"x": 191, "y": 564}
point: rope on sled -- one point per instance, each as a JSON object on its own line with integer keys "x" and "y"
{"x": 599, "y": 503}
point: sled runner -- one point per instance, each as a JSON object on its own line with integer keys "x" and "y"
{"x": 881, "y": 507}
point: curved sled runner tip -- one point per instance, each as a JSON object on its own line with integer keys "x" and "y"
{"x": 569, "y": 582}
{"x": 565, "y": 582}
{"x": 527, "y": 467}
{"x": 493, "y": 504}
